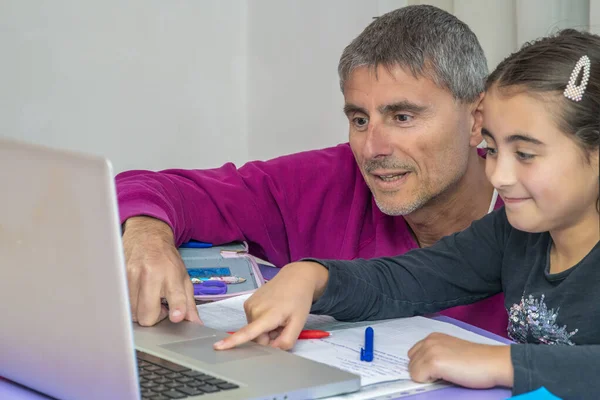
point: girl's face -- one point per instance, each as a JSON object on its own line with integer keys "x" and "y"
{"x": 542, "y": 175}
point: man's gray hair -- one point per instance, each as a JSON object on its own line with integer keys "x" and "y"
{"x": 425, "y": 40}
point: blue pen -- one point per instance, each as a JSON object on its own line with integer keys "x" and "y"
{"x": 192, "y": 244}
{"x": 366, "y": 353}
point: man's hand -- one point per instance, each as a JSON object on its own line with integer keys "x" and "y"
{"x": 468, "y": 364}
{"x": 277, "y": 312}
{"x": 155, "y": 270}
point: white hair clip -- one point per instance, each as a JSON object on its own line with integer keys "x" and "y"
{"x": 573, "y": 91}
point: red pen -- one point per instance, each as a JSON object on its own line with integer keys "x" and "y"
{"x": 308, "y": 334}
{"x": 313, "y": 334}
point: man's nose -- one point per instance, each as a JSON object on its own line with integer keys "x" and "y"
{"x": 377, "y": 143}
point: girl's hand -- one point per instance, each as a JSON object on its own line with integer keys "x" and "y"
{"x": 468, "y": 364}
{"x": 277, "y": 312}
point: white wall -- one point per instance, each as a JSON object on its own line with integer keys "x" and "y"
{"x": 157, "y": 84}
{"x": 293, "y": 51}
{"x": 502, "y": 26}
{"x": 595, "y": 16}
{"x": 497, "y": 34}
{"x": 148, "y": 83}
{"x": 550, "y": 16}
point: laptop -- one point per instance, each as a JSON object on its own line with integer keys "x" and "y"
{"x": 66, "y": 324}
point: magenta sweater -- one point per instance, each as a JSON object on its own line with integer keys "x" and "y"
{"x": 310, "y": 204}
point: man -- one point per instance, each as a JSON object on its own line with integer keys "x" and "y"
{"x": 411, "y": 174}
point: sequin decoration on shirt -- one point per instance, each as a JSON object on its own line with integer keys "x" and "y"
{"x": 531, "y": 321}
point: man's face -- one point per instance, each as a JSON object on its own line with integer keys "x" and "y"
{"x": 411, "y": 138}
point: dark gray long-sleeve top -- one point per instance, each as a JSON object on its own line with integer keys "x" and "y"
{"x": 548, "y": 313}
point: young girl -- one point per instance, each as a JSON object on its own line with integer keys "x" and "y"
{"x": 541, "y": 121}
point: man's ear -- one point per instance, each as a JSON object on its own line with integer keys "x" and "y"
{"x": 477, "y": 118}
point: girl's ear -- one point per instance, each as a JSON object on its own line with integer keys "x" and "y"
{"x": 596, "y": 161}
{"x": 594, "y": 157}
{"x": 477, "y": 116}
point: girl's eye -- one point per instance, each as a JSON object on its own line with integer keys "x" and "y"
{"x": 524, "y": 156}
{"x": 491, "y": 151}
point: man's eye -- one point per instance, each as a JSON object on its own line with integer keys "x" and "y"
{"x": 360, "y": 121}
{"x": 402, "y": 117}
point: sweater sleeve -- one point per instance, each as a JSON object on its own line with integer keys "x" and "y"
{"x": 459, "y": 269}
{"x": 256, "y": 203}
{"x": 569, "y": 372}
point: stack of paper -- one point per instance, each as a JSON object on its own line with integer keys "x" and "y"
{"x": 393, "y": 339}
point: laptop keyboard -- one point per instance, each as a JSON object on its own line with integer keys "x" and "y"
{"x": 163, "y": 380}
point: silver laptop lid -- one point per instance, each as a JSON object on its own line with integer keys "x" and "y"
{"x": 58, "y": 228}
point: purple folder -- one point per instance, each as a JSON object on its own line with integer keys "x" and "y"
{"x": 9, "y": 390}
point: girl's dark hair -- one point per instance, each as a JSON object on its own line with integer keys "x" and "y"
{"x": 543, "y": 67}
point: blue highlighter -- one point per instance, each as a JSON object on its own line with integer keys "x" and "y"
{"x": 366, "y": 353}
{"x": 193, "y": 244}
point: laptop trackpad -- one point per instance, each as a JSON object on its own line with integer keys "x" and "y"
{"x": 202, "y": 350}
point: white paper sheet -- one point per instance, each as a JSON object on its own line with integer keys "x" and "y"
{"x": 393, "y": 339}
{"x": 228, "y": 315}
